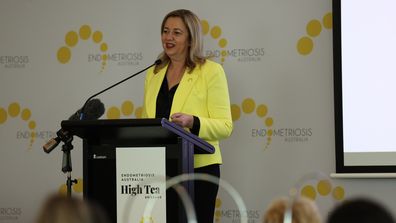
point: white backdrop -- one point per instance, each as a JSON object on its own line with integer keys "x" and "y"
{"x": 278, "y": 59}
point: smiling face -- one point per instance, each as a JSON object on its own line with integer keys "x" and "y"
{"x": 175, "y": 39}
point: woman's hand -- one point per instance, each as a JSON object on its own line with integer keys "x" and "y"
{"x": 184, "y": 120}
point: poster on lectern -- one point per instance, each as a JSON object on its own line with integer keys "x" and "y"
{"x": 141, "y": 184}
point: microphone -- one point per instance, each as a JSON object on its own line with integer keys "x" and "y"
{"x": 83, "y": 109}
{"x": 91, "y": 110}
{"x": 94, "y": 109}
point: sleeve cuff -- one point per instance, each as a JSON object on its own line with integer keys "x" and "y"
{"x": 196, "y": 126}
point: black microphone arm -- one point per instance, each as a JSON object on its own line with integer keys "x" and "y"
{"x": 157, "y": 62}
{"x": 91, "y": 110}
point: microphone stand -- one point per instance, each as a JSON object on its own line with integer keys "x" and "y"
{"x": 67, "y": 139}
{"x": 66, "y": 160}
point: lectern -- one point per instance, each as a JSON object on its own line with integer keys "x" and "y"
{"x": 102, "y": 137}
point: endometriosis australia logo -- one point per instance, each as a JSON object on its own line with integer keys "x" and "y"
{"x": 265, "y": 128}
{"x": 247, "y": 54}
{"x": 248, "y": 107}
{"x": 14, "y": 110}
{"x": 85, "y": 33}
{"x": 234, "y": 215}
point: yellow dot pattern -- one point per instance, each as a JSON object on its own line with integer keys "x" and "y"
{"x": 309, "y": 191}
{"x": 62, "y": 190}
{"x": 126, "y": 109}
{"x": 33, "y": 137}
{"x": 113, "y": 113}
{"x": 314, "y": 28}
{"x": 97, "y": 37}
{"x": 205, "y": 27}
{"x": 72, "y": 38}
{"x": 64, "y": 55}
{"x": 217, "y": 216}
{"x": 223, "y": 43}
{"x": 305, "y": 44}
{"x": 218, "y": 202}
{"x": 3, "y": 116}
{"x": 262, "y": 110}
{"x": 14, "y": 110}
{"x": 139, "y": 112}
{"x": 104, "y": 56}
{"x": 78, "y": 187}
{"x": 269, "y": 122}
{"x": 146, "y": 219}
{"x": 25, "y": 115}
{"x": 103, "y": 47}
{"x": 328, "y": 20}
{"x": 338, "y": 193}
{"x": 248, "y": 106}
{"x": 323, "y": 188}
{"x": 235, "y": 112}
{"x": 32, "y": 125}
{"x": 215, "y": 32}
{"x": 85, "y": 32}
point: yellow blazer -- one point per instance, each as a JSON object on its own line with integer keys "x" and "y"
{"x": 203, "y": 93}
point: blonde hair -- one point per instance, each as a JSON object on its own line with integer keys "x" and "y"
{"x": 61, "y": 209}
{"x": 195, "y": 50}
{"x": 303, "y": 210}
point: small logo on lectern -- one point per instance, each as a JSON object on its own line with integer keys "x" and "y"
{"x": 99, "y": 156}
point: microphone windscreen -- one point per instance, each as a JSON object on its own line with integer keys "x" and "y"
{"x": 93, "y": 110}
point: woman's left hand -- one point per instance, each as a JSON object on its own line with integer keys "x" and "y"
{"x": 184, "y": 120}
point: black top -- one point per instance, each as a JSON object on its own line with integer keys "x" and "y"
{"x": 165, "y": 99}
{"x": 164, "y": 104}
